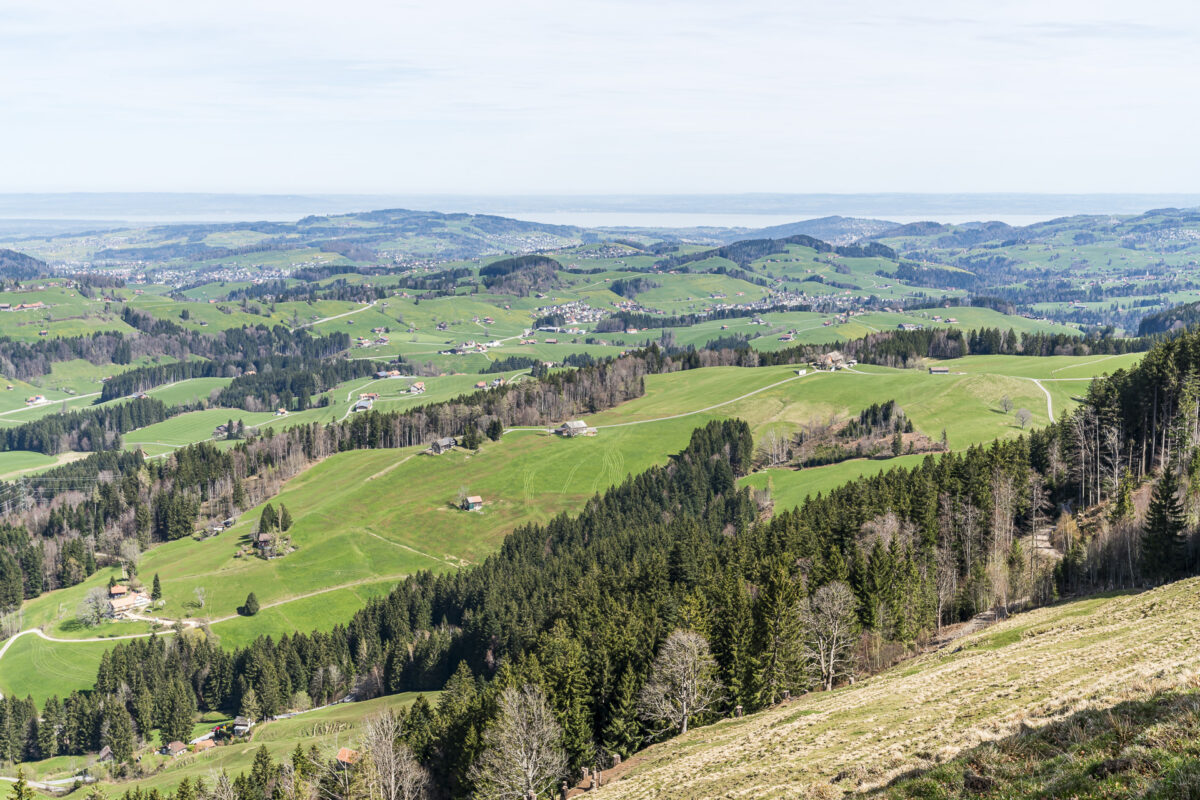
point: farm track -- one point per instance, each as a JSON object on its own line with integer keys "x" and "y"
{"x": 335, "y": 316}
{"x": 677, "y": 416}
{"x": 196, "y": 622}
{"x": 1049, "y": 399}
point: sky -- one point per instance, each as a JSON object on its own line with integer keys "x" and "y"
{"x": 588, "y": 97}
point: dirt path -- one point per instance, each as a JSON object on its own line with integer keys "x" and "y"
{"x": 67, "y": 400}
{"x": 1049, "y": 399}
{"x": 679, "y": 416}
{"x": 335, "y": 316}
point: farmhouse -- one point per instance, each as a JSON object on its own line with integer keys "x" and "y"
{"x": 575, "y": 427}
{"x": 105, "y": 754}
{"x": 939, "y": 370}
{"x": 417, "y": 388}
{"x": 242, "y": 726}
{"x": 126, "y": 602}
{"x": 204, "y": 744}
{"x": 830, "y": 361}
{"x": 910, "y": 326}
{"x": 364, "y": 405}
{"x": 175, "y": 749}
{"x": 347, "y": 757}
{"x": 472, "y": 503}
{"x": 441, "y": 445}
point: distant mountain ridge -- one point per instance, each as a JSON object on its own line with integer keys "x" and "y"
{"x": 834, "y": 229}
{"x": 20, "y": 267}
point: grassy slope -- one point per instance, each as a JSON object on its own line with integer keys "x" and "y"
{"x": 1029, "y": 670}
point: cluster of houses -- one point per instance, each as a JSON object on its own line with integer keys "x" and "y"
{"x": 466, "y": 348}
{"x": 217, "y": 527}
{"x": 238, "y": 728}
{"x": 366, "y": 401}
{"x": 573, "y": 313}
{"x": 22, "y": 306}
{"x": 35, "y": 400}
{"x": 389, "y": 373}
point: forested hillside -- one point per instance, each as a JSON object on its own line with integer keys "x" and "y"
{"x": 580, "y": 608}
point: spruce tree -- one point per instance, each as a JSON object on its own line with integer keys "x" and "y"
{"x": 777, "y": 635}
{"x": 262, "y": 773}
{"x": 250, "y": 709}
{"x": 251, "y": 607}
{"x": 156, "y": 590}
{"x": 1162, "y": 539}
{"x": 268, "y": 521}
{"x": 731, "y": 632}
{"x": 21, "y": 789}
{"x": 118, "y": 733}
{"x": 285, "y": 517}
{"x": 567, "y": 686}
{"x": 622, "y": 733}
{"x": 49, "y": 727}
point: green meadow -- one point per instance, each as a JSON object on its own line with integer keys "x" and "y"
{"x": 365, "y": 519}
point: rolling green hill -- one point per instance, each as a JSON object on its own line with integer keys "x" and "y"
{"x": 366, "y": 518}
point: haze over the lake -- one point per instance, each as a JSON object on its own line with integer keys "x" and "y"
{"x": 599, "y": 97}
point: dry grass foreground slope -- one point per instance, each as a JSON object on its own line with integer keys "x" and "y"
{"x": 1031, "y": 669}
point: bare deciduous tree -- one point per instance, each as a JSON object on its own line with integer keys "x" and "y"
{"x": 221, "y": 788}
{"x": 683, "y": 682}
{"x": 774, "y": 449}
{"x": 947, "y": 581}
{"x": 94, "y": 607}
{"x": 201, "y": 595}
{"x": 290, "y": 785}
{"x": 390, "y": 770}
{"x": 1006, "y": 404}
{"x": 830, "y": 630}
{"x": 331, "y": 779}
{"x": 1024, "y": 416}
{"x": 523, "y": 750}
{"x": 129, "y": 554}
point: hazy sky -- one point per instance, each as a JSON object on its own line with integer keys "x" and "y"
{"x": 600, "y": 97}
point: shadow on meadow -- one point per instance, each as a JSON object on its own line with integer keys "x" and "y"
{"x": 1138, "y": 748}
